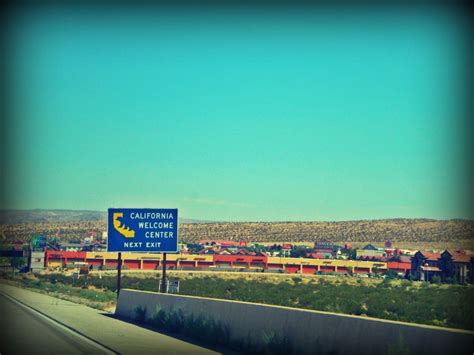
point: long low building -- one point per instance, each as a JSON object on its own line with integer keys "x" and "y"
{"x": 146, "y": 261}
{"x": 447, "y": 265}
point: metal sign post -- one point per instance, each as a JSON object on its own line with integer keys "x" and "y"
{"x": 163, "y": 278}
{"x": 119, "y": 272}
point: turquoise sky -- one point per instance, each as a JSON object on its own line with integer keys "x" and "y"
{"x": 239, "y": 114}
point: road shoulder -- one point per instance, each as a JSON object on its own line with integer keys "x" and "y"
{"x": 113, "y": 333}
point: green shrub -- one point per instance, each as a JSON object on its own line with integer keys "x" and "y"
{"x": 175, "y": 322}
{"x": 274, "y": 344}
{"x": 391, "y": 274}
{"x": 160, "y": 319}
{"x": 201, "y": 328}
{"x": 398, "y": 348}
{"x": 450, "y": 280}
{"x": 140, "y": 314}
{"x": 436, "y": 279}
{"x": 18, "y": 262}
{"x": 189, "y": 326}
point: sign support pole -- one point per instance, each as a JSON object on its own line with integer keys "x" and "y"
{"x": 30, "y": 255}
{"x": 119, "y": 272}
{"x": 163, "y": 278}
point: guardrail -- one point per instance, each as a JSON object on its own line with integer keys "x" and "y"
{"x": 309, "y": 331}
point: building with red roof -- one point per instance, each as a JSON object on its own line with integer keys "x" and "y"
{"x": 404, "y": 259}
{"x": 424, "y": 265}
{"x": 223, "y": 243}
{"x": 316, "y": 256}
{"x": 430, "y": 256}
{"x": 456, "y": 265}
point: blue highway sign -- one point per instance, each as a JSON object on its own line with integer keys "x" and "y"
{"x": 142, "y": 230}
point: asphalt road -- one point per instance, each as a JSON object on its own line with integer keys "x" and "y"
{"x": 24, "y": 331}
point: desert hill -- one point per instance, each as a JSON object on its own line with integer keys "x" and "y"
{"x": 72, "y": 225}
{"x": 406, "y": 230}
{"x": 58, "y": 216}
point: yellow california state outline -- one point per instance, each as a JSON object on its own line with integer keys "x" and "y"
{"x": 122, "y": 229}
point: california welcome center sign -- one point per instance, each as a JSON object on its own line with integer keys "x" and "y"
{"x": 142, "y": 230}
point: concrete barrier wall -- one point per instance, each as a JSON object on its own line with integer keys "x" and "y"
{"x": 310, "y": 331}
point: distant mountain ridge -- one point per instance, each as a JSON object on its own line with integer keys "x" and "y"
{"x": 73, "y": 225}
{"x": 55, "y": 216}
{"x": 13, "y": 216}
